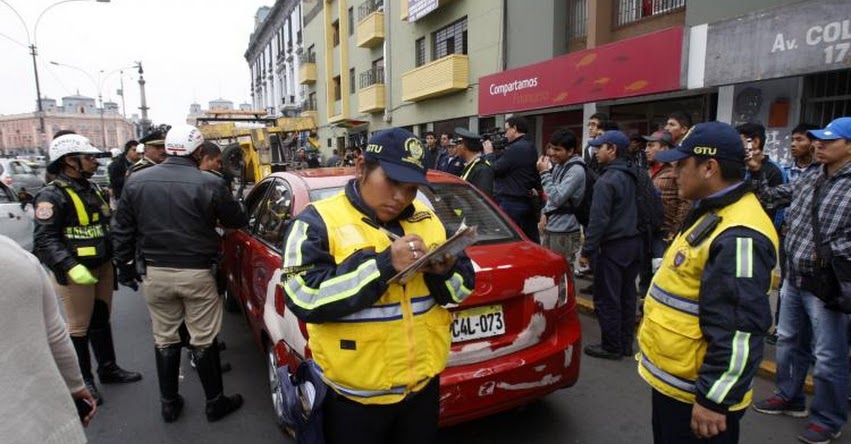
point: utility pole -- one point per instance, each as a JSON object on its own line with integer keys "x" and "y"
{"x": 144, "y": 123}
{"x": 43, "y": 137}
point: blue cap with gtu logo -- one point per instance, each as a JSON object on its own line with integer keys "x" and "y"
{"x": 838, "y": 129}
{"x": 718, "y": 140}
{"x": 400, "y": 154}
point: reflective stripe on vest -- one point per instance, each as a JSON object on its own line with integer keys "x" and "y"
{"x": 79, "y": 207}
{"x": 390, "y": 312}
{"x": 677, "y": 382}
{"x": 470, "y": 167}
{"x": 676, "y": 302}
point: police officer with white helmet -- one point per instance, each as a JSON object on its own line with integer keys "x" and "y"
{"x": 179, "y": 247}
{"x": 72, "y": 239}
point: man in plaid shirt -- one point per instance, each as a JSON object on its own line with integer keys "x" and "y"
{"x": 807, "y": 328}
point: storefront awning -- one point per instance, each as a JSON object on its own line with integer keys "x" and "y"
{"x": 647, "y": 64}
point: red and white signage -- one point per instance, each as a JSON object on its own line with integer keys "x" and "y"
{"x": 642, "y": 65}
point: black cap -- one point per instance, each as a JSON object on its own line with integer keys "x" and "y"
{"x": 400, "y": 154}
{"x": 471, "y": 140}
{"x": 711, "y": 139}
{"x": 661, "y": 136}
{"x": 155, "y": 137}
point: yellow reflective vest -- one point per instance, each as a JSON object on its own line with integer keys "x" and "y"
{"x": 88, "y": 238}
{"x": 671, "y": 341}
{"x": 383, "y": 353}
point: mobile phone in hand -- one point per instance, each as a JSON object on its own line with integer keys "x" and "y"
{"x": 749, "y": 149}
{"x": 83, "y": 407}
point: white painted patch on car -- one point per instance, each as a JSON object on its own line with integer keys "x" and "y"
{"x": 481, "y": 351}
{"x": 534, "y": 284}
{"x": 281, "y": 328}
{"x": 548, "y": 379}
{"x": 568, "y": 356}
{"x": 540, "y": 368}
{"x": 548, "y": 298}
{"x": 487, "y": 389}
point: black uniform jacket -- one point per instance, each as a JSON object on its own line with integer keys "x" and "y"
{"x": 171, "y": 210}
{"x": 55, "y": 212}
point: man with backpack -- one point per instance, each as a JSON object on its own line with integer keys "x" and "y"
{"x": 615, "y": 244}
{"x": 563, "y": 177}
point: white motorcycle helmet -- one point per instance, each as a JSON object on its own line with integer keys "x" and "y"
{"x": 67, "y": 145}
{"x": 183, "y": 140}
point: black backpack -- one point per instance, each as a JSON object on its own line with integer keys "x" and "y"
{"x": 651, "y": 213}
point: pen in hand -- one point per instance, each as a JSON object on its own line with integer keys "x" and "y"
{"x": 389, "y": 233}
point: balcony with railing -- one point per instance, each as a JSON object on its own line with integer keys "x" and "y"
{"x": 370, "y": 27}
{"x": 307, "y": 68}
{"x": 631, "y": 11}
{"x": 308, "y": 107}
{"x": 371, "y": 91}
{"x": 442, "y": 76}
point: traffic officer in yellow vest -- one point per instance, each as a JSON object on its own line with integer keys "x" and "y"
{"x": 477, "y": 170}
{"x": 707, "y": 311}
{"x": 380, "y": 346}
{"x": 72, "y": 238}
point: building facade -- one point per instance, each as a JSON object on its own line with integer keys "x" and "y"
{"x": 437, "y": 64}
{"x": 374, "y": 64}
{"x": 273, "y": 58}
{"x": 19, "y": 133}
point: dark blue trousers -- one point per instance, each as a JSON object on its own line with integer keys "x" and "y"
{"x": 672, "y": 423}
{"x": 523, "y": 213}
{"x": 615, "y": 270}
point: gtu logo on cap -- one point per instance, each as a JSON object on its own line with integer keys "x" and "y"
{"x": 415, "y": 151}
{"x": 704, "y": 151}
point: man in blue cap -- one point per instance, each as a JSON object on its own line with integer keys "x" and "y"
{"x": 812, "y": 322}
{"x": 707, "y": 311}
{"x": 612, "y": 240}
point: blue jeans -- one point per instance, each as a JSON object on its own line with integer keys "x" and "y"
{"x": 808, "y": 330}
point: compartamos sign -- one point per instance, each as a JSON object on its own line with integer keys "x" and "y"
{"x": 642, "y": 65}
{"x": 802, "y": 38}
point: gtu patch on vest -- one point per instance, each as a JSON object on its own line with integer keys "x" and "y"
{"x": 679, "y": 259}
{"x": 44, "y": 210}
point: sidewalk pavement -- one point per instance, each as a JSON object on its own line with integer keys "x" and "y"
{"x": 768, "y": 367}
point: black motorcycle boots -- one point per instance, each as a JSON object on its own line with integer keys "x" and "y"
{"x": 209, "y": 369}
{"x": 168, "y": 374}
{"x": 81, "y": 346}
{"x": 108, "y": 371}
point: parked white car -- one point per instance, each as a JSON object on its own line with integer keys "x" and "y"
{"x": 16, "y": 218}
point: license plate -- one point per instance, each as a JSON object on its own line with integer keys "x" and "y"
{"x": 477, "y": 323}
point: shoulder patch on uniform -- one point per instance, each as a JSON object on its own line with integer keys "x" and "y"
{"x": 44, "y": 210}
{"x": 419, "y": 216}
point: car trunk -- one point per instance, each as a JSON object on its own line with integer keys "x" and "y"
{"x": 513, "y": 306}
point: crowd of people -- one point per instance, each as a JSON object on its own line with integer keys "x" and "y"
{"x": 702, "y": 243}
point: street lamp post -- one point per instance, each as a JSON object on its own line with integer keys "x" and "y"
{"x": 31, "y": 42}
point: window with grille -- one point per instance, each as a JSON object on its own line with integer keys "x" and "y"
{"x": 352, "y": 86}
{"x": 351, "y": 20}
{"x": 450, "y": 40}
{"x": 629, "y": 11}
{"x": 827, "y": 96}
{"x": 577, "y": 18}
{"x": 420, "y": 51}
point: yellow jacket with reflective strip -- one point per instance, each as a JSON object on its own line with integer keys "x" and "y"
{"x": 671, "y": 341}
{"x": 381, "y": 354}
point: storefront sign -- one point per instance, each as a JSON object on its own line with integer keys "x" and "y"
{"x": 798, "y": 39}
{"x": 642, "y": 65}
{"x": 418, "y": 9}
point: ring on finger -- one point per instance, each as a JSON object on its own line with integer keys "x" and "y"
{"x": 416, "y": 255}
{"x": 411, "y": 246}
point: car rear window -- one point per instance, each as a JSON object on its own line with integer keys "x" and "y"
{"x": 454, "y": 203}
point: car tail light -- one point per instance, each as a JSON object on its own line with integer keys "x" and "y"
{"x": 279, "y": 300}
{"x": 565, "y": 290}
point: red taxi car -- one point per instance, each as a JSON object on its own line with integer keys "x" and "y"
{"x": 515, "y": 339}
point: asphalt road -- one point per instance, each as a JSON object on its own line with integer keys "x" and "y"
{"x": 609, "y": 404}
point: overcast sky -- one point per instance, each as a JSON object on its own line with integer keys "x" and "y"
{"x": 191, "y": 51}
